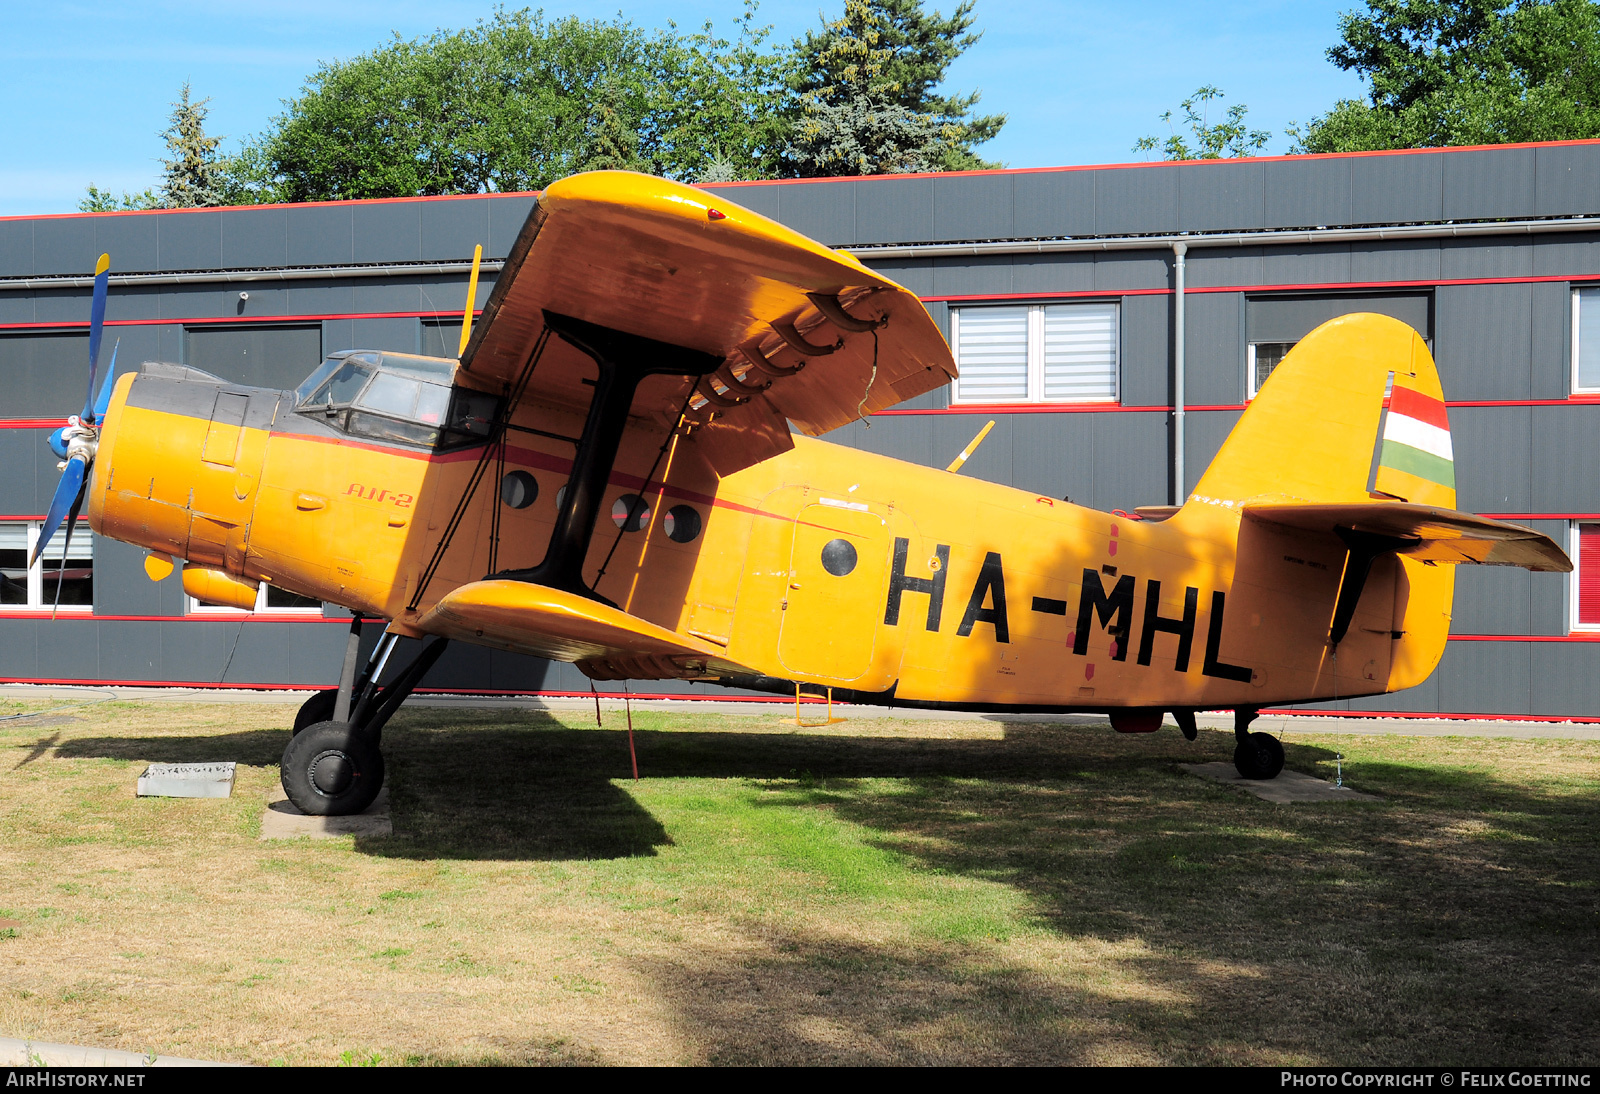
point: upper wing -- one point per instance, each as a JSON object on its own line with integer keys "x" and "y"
{"x": 794, "y": 319}
{"x": 1441, "y": 535}
{"x": 606, "y": 643}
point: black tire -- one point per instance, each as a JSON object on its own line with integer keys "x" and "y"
{"x": 318, "y": 708}
{"x": 1260, "y": 757}
{"x": 332, "y": 770}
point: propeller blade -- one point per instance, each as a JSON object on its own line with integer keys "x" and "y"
{"x": 104, "y": 398}
{"x": 97, "y": 319}
{"x": 66, "y": 548}
{"x": 66, "y": 497}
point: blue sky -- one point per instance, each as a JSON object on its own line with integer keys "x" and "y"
{"x": 88, "y": 85}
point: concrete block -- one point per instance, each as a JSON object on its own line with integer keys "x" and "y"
{"x": 187, "y": 781}
{"x": 283, "y": 821}
{"x": 1287, "y": 788}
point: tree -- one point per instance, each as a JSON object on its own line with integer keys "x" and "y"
{"x": 194, "y": 173}
{"x": 864, "y": 98}
{"x": 1454, "y": 72}
{"x": 515, "y": 103}
{"x": 97, "y": 200}
{"x": 1227, "y": 138}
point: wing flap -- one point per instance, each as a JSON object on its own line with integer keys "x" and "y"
{"x": 605, "y": 642}
{"x": 1441, "y": 535}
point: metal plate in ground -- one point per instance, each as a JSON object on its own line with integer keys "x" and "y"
{"x": 1288, "y": 787}
{"x": 187, "y": 781}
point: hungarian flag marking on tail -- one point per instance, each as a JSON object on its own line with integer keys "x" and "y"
{"x": 1415, "y": 459}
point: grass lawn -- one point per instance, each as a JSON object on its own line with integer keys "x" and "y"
{"x": 871, "y": 892}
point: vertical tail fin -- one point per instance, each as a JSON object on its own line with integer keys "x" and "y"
{"x": 1325, "y": 427}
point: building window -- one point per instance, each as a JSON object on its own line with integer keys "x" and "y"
{"x": 25, "y": 588}
{"x": 1260, "y": 359}
{"x": 1586, "y": 340}
{"x": 1585, "y": 582}
{"x": 1274, "y": 325}
{"x": 270, "y": 600}
{"x": 1041, "y": 353}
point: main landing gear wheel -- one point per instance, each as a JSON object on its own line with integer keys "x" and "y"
{"x": 318, "y": 708}
{"x": 332, "y": 770}
{"x": 1259, "y": 756}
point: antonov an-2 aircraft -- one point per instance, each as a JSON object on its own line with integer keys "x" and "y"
{"x": 610, "y": 475}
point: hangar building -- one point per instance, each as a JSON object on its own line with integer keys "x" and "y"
{"x": 1113, "y": 320}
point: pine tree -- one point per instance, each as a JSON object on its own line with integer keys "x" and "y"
{"x": 864, "y": 93}
{"x": 614, "y": 145}
{"x": 194, "y": 170}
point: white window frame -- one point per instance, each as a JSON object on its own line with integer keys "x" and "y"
{"x": 1251, "y": 388}
{"x": 195, "y": 607}
{"x": 1577, "y": 325}
{"x": 1574, "y": 552}
{"x": 41, "y": 599}
{"x": 1036, "y": 312}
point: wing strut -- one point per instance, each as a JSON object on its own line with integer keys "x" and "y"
{"x": 624, "y": 360}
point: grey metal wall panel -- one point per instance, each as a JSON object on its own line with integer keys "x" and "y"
{"x": 1465, "y": 258}
{"x": 1146, "y": 350}
{"x": 20, "y": 457}
{"x": 1290, "y": 318}
{"x": 338, "y": 334}
{"x": 259, "y": 652}
{"x": 1307, "y": 193}
{"x": 44, "y": 373}
{"x": 1401, "y": 260}
{"x": 939, "y": 311}
{"x": 254, "y": 238}
{"x": 915, "y": 274}
{"x": 1218, "y": 196}
{"x": 64, "y": 245}
{"x": 1484, "y": 340}
{"x": 400, "y": 334}
{"x": 1423, "y": 697}
{"x": 451, "y": 227}
{"x": 1567, "y": 255}
{"x": 56, "y": 306}
{"x": 1132, "y": 200}
{"x": 277, "y": 357}
{"x": 387, "y": 231}
{"x": 898, "y": 436}
{"x": 129, "y": 650}
{"x": 130, "y": 240}
{"x": 1059, "y": 273}
{"x": 1493, "y": 457}
{"x": 19, "y": 650}
{"x": 385, "y": 295}
{"x": 68, "y": 649}
{"x": 315, "y": 654}
{"x": 894, "y": 210}
{"x": 1564, "y": 479}
{"x": 192, "y": 651}
{"x": 1203, "y": 434}
{"x": 1487, "y": 678}
{"x": 824, "y": 211}
{"x": 982, "y": 275}
{"x": 1548, "y": 600}
{"x": 120, "y": 584}
{"x": 1223, "y": 266}
{"x": 1566, "y": 678}
{"x": 762, "y": 198}
{"x": 970, "y": 207}
{"x": 122, "y": 302}
{"x": 1052, "y": 455}
{"x": 1124, "y": 270}
{"x": 16, "y": 247}
{"x": 190, "y": 240}
{"x": 1213, "y": 349}
{"x": 506, "y": 218}
{"x": 1492, "y": 600}
{"x": 1396, "y": 189}
{"x": 323, "y": 234}
{"x": 1552, "y": 340}
{"x": 16, "y": 307}
{"x": 1053, "y": 203}
{"x": 1567, "y": 180}
{"x": 1124, "y": 473}
{"x": 188, "y": 302}
{"x": 1307, "y": 264}
{"x": 321, "y": 298}
{"x": 1490, "y": 183}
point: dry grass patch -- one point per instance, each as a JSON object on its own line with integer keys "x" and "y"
{"x": 871, "y": 892}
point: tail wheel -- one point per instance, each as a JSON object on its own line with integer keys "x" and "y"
{"x": 1260, "y": 756}
{"x": 318, "y": 708}
{"x": 332, "y": 770}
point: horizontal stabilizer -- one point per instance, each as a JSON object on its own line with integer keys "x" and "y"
{"x": 608, "y": 644}
{"x": 1439, "y": 535}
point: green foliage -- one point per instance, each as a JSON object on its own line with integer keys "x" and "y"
{"x": 1227, "y": 138}
{"x": 864, "y": 100}
{"x": 96, "y": 200}
{"x": 515, "y": 103}
{"x": 1460, "y": 72}
{"x": 194, "y": 170}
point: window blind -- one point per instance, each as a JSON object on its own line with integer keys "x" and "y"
{"x": 1080, "y": 352}
{"x": 992, "y": 351}
{"x": 1588, "y": 574}
{"x": 1588, "y": 304}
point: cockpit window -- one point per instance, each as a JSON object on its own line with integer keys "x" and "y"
{"x": 396, "y": 397}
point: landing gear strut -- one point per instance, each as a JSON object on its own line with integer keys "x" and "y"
{"x": 1256, "y": 755}
{"x": 333, "y": 766}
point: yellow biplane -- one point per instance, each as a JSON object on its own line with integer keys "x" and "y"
{"x": 611, "y": 475}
